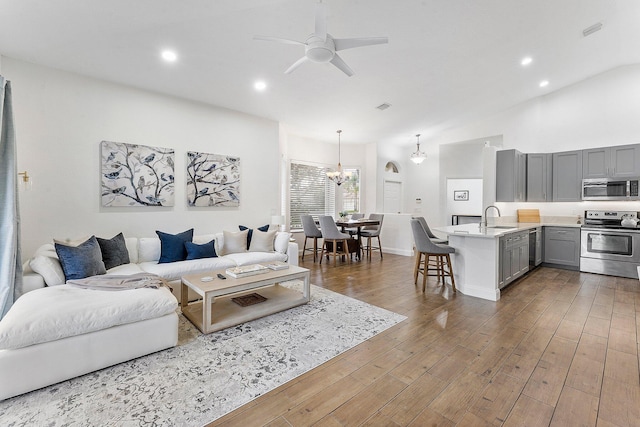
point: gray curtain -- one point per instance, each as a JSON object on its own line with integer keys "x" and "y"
{"x": 10, "y": 262}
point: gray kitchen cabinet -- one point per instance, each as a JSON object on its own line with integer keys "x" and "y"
{"x": 567, "y": 176}
{"x": 562, "y": 246}
{"x": 611, "y": 162}
{"x": 511, "y": 178}
{"x": 514, "y": 257}
{"x": 537, "y": 260}
{"x": 539, "y": 178}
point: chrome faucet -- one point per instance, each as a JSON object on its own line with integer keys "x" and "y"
{"x": 485, "y": 214}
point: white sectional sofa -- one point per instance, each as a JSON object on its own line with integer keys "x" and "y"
{"x": 44, "y": 268}
{"x": 55, "y": 331}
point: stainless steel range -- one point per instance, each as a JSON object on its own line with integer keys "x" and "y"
{"x": 610, "y": 243}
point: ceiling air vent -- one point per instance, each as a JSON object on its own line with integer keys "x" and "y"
{"x": 592, "y": 29}
{"x": 384, "y": 106}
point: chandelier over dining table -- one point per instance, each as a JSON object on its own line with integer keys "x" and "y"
{"x": 338, "y": 176}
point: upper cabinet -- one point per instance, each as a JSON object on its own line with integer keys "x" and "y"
{"x": 567, "y": 176}
{"x": 539, "y": 182}
{"x": 611, "y": 162}
{"x": 511, "y": 178}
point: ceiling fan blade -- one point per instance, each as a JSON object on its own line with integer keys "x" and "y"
{"x": 277, "y": 39}
{"x": 321, "y": 21}
{"x": 338, "y": 62}
{"x": 296, "y": 64}
{"x": 342, "y": 44}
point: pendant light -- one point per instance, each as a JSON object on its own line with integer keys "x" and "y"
{"x": 338, "y": 176}
{"x": 419, "y": 156}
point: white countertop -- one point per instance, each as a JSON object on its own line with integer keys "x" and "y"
{"x": 496, "y": 230}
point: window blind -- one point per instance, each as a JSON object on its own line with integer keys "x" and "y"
{"x": 311, "y": 193}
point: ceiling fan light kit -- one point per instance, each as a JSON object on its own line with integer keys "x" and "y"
{"x": 321, "y": 47}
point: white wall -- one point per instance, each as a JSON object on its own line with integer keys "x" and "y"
{"x": 600, "y": 111}
{"x": 61, "y": 119}
{"x": 471, "y": 206}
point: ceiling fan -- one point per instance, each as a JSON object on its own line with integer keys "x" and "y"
{"x": 321, "y": 47}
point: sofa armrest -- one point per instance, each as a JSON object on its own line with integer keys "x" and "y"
{"x": 292, "y": 253}
{"x": 31, "y": 281}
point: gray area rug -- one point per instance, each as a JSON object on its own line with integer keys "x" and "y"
{"x": 206, "y": 376}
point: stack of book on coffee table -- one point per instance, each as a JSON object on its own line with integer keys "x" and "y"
{"x": 246, "y": 270}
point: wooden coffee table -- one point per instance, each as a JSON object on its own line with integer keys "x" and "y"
{"x": 216, "y": 311}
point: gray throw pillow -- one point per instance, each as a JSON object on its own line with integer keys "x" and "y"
{"x": 114, "y": 251}
{"x": 81, "y": 261}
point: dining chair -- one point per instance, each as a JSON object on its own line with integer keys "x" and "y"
{"x": 331, "y": 234}
{"x": 433, "y": 237}
{"x": 371, "y": 231}
{"x": 426, "y": 247}
{"x": 354, "y": 230}
{"x": 310, "y": 232}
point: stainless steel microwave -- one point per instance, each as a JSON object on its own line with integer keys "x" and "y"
{"x": 610, "y": 189}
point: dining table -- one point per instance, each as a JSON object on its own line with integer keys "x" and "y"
{"x": 357, "y": 224}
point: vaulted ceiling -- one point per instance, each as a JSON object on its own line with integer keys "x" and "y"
{"x": 447, "y": 61}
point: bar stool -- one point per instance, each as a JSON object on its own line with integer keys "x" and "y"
{"x": 442, "y": 262}
{"x": 330, "y": 233}
{"x": 310, "y": 232}
{"x": 432, "y": 236}
{"x": 371, "y": 231}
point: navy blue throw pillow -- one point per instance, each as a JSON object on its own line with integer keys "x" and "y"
{"x": 196, "y": 251}
{"x": 81, "y": 261}
{"x": 242, "y": 228}
{"x": 172, "y": 246}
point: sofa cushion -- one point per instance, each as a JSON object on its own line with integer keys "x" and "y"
{"x": 234, "y": 242}
{"x": 148, "y": 249}
{"x": 172, "y": 246}
{"x": 250, "y": 236}
{"x": 81, "y": 261}
{"x": 247, "y": 258}
{"x": 50, "y": 314}
{"x": 262, "y": 242}
{"x": 132, "y": 248}
{"x": 125, "y": 269}
{"x": 196, "y": 251}
{"x": 204, "y": 238}
{"x": 281, "y": 242}
{"x": 175, "y": 270}
{"x": 46, "y": 264}
{"x": 114, "y": 251}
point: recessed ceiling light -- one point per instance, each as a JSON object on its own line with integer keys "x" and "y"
{"x": 260, "y": 86}
{"x": 544, "y": 83}
{"x": 526, "y": 61}
{"x": 169, "y": 55}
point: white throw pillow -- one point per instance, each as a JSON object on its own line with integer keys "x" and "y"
{"x": 148, "y": 249}
{"x": 47, "y": 265}
{"x": 281, "y": 243}
{"x": 262, "y": 241}
{"x": 132, "y": 248}
{"x": 219, "y": 243}
{"x": 234, "y": 242}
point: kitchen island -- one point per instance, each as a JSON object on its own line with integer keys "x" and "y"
{"x": 477, "y": 261}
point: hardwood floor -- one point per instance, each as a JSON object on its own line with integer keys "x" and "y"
{"x": 560, "y": 348}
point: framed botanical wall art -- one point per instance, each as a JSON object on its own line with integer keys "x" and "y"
{"x": 136, "y": 175}
{"x": 213, "y": 180}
